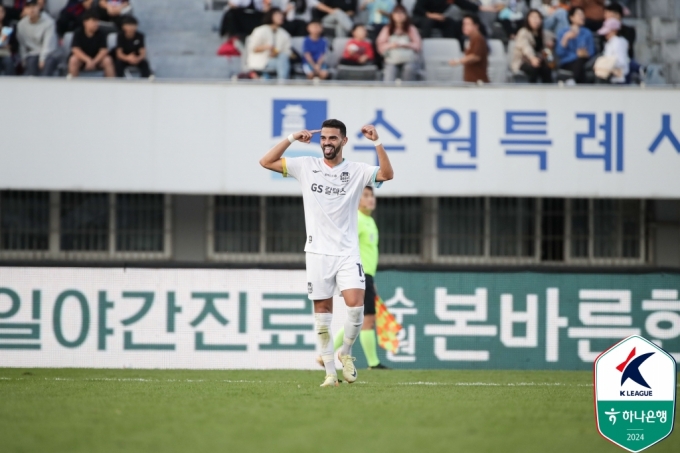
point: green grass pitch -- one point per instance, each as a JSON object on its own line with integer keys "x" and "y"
{"x": 161, "y": 411}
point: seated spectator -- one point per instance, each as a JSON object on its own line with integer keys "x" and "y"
{"x": 358, "y": 50}
{"x": 314, "y": 50}
{"x": 575, "y": 45}
{"x": 594, "y": 11}
{"x": 378, "y": 14}
{"x": 130, "y": 49}
{"x": 555, "y": 15}
{"x": 89, "y": 51}
{"x": 336, "y": 14}
{"x": 615, "y": 54}
{"x": 114, "y": 10}
{"x": 399, "y": 43}
{"x": 476, "y": 59}
{"x": 269, "y": 47}
{"x": 70, "y": 18}
{"x": 37, "y": 41}
{"x": 6, "y": 35}
{"x": 529, "y": 53}
{"x": 242, "y": 17}
{"x": 298, "y": 14}
{"x": 615, "y": 11}
{"x": 18, "y": 11}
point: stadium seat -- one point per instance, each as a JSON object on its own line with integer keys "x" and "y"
{"x": 436, "y": 53}
{"x": 296, "y": 45}
{"x": 337, "y": 47}
{"x": 54, "y": 7}
{"x": 409, "y": 5}
{"x": 498, "y": 61}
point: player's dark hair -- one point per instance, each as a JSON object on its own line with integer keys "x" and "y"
{"x": 573, "y": 10}
{"x": 615, "y": 8}
{"x": 336, "y": 124}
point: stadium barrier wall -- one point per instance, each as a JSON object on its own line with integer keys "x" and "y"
{"x": 262, "y": 319}
{"x": 207, "y": 138}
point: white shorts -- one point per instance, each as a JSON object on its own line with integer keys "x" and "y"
{"x": 328, "y": 275}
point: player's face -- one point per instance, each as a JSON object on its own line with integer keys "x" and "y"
{"x": 332, "y": 142}
{"x": 367, "y": 200}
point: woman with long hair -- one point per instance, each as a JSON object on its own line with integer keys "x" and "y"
{"x": 399, "y": 43}
{"x": 529, "y": 55}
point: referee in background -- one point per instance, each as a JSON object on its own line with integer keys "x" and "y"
{"x": 368, "y": 248}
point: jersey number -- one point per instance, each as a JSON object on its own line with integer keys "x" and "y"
{"x": 361, "y": 269}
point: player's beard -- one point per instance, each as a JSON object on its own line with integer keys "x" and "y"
{"x": 332, "y": 154}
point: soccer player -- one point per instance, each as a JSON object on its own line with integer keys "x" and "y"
{"x": 331, "y": 189}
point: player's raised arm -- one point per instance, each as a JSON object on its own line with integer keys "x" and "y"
{"x": 385, "y": 173}
{"x": 272, "y": 160}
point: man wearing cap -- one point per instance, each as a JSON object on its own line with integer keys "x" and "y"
{"x": 617, "y": 48}
{"x": 37, "y": 41}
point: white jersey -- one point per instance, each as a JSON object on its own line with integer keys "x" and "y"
{"x": 331, "y": 198}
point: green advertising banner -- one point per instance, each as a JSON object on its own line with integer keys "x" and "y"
{"x": 262, "y": 319}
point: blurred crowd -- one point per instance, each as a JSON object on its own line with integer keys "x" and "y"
{"x": 574, "y": 41}
{"x": 85, "y": 37}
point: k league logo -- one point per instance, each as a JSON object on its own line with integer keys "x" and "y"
{"x": 635, "y": 391}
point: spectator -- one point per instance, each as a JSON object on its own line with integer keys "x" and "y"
{"x": 594, "y": 11}
{"x": 529, "y": 53}
{"x": 615, "y": 55}
{"x": 6, "y": 34}
{"x": 337, "y": 14}
{"x": 242, "y": 17}
{"x": 37, "y": 41}
{"x": 555, "y": 15}
{"x": 70, "y": 18}
{"x": 298, "y": 15}
{"x": 130, "y": 49}
{"x": 378, "y": 13}
{"x": 575, "y": 45}
{"x": 615, "y": 11}
{"x": 269, "y": 47}
{"x": 358, "y": 50}
{"x": 114, "y": 10}
{"x": 18, "y": 9}
{"x": 89, "y": 49}
{"x": 475, "y": 61}
{"x": 314, "y": 52}
{"x": 399, "y": 43}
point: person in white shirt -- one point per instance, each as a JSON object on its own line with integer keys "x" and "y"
{"x": 331, "y": 189}
{"x": 617, "y": 48}
{"x": 269, "y": 47}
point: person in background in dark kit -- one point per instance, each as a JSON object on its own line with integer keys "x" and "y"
{"x": 89, "y": 50}
{"x": 476, "y": 59}
{"x": 615, "y": 11}
{"x": 130, "y": 50}
{"x": 37, "y": 41}
{"x": 575, "y": 45}
{"x": 336, "y": 14}
{"x": 71, "y": 17}
{"x": 429, "y": 14}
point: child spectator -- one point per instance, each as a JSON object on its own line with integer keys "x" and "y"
{"x": 337, "y": 14}
{"x": 615, "y": 51}
{"x": 37, "y": 41}
{"x": 358, "y": 50}
{"x": 269, "y": 47}
{"x": 314, "y": 52}
{"x": 399, "y": 43}
{"x": 476, "y": 59}
{"x": 528, "y": 55}
{"x": 575, "y": 45}
{"x": 130, "y": 50}
{"x": 6, "y": 34}
{"x": 71, "y": 17}
{"x": 89, "y": 49}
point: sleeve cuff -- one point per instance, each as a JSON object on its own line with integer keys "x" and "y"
{"x": 375, "y": 183}
{"x": 285, "y": 168}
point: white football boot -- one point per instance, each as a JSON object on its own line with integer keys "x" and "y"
{"x": 349, "y": 371}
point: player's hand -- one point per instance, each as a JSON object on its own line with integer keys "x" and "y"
{"x": 305, "y": 136}
{"x": 370, "y": 132}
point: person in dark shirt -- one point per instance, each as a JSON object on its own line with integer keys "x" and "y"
{"x": 615, "y": 11}
{"x": 130, "y": 50}
{"x": 337, "y": 14}
{"x": 429, "y": 14}
{"x": 89, "y": 50}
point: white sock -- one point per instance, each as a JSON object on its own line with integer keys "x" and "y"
{"x": 323, "y": 328}
{"x": 355, "y": 319}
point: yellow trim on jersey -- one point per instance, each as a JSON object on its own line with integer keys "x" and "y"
{"x": 285, "y": 168}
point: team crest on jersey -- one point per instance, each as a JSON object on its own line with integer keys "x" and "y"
{"x": 344, "y": 176}
{"x": 310, "y": 288}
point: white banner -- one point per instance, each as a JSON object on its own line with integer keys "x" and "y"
{"x": 208, "y": 138}
{"x": 150, "y": 318}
